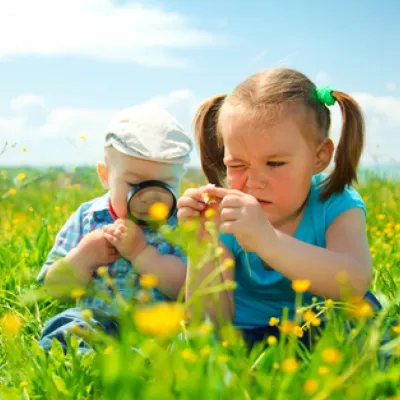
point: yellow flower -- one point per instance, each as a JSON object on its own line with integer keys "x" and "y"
{"x": 108, "y": 349}
{"x": 275, "y": 365}
{"x": 24, "y": 149}
{"x": 159, "y": 211}
{"x": 82, "y": 137}
{"x": 189, "y": 355}
{"x": 311, "y": 386}
{"x": 331, "y": 355}
{"x": 12, "y": 191}
{"x": 229, "y": 263}
{"x": 11, "y": 324}
{"x": 329, "y": 302}
{"x": 396, "y": 329}
{"x": 210, "y": 213}
{"x": 360, "y": 308}
{"x": 287, "y": 326}
{"x": 78, "y": 293}
{"x": 160, "y": 320}
{"x": 272, "y": 340}
{"x": 87, "y": 314}
{"x": 301, "y": 285}
{"x": 310, "y": 317}
{"x": 23, "y": 384}
{"x": 290, "y": 365}
{"x": 323, "y": 370}
{"x": 273, "y": 321}
{"x": 225, "y": 343}
{"x": 148, "y": 281}
{"x": 298, "y": 331}
{"x": 101, "y": 271}
{"x": 205, "y": 328}
{"x": 21, "y": 176}
{"x": 208, "y": 199}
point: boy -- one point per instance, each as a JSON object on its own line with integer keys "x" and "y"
{"x": 142, "y": 143}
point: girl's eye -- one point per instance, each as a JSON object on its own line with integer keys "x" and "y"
{"x": 275, "y": 164}
{"x": 235, "y": 166}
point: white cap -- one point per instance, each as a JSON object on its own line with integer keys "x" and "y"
{"x": 149, "y": 132}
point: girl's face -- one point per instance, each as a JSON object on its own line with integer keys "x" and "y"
{"x": 272, "y": 162}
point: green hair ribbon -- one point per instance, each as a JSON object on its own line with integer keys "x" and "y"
{"x": 324, "y": 95}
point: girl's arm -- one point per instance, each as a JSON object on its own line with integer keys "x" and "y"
{"x": 346, "y": 251}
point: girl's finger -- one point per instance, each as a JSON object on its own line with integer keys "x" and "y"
{"x": 231, "y": 201}
{"x": 184, "y": 213}
{"x": 190, "y": 202}
{"x": 229, "y": 214}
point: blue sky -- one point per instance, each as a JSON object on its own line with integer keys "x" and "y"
{"x": 67, "y": 66}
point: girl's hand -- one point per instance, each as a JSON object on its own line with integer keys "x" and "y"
{"x": 242, "y": 215}
{"x": 193, "y": 205}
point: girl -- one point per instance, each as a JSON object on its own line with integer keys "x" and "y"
{"x": 265, "y": 146}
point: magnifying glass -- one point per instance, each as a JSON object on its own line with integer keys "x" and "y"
{"x": 150, "y": 202}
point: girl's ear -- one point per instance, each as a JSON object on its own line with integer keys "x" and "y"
{"x": 102, "y": 172}
{"x": 324, "y": 155}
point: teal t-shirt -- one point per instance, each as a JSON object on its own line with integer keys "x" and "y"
{"x": 266, "y": 292}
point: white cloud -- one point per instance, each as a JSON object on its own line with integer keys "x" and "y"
{"x": 56, "y": 141}
{"x": 391, "y": 86}
{"x": 23, "y": 101}
{"x": 100, "y": 29}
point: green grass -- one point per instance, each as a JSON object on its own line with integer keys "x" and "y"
{"x": 194, "y": 364}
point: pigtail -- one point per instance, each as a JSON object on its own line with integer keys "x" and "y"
{"x": 349, "y": 148}
{"x": 210, "y": 145}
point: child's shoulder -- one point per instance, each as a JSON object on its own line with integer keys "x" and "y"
{"x": 336, "y": 203}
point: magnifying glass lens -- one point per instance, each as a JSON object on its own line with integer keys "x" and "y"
{"x": 150, "y": 203}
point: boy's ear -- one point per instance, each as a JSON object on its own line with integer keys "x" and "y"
{"x": 324, "y": 155}
{"x": 102, "y": 172}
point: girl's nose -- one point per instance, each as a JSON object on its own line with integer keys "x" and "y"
{"x": 256, "y": 180}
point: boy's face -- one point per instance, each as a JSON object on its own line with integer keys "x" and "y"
{"x": 120, "y": 171}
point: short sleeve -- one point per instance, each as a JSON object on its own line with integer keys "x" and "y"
{"x": 67, "y": 239}
{"x": 230, "y": 242}
{"x": 341, "y": 202}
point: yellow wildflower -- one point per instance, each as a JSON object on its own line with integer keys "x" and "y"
{"x": 329, "y": 302}
{"x": 148, "y": 281}
{"x": 87, "y": 314}
{"x": 108, "y": 349}
{"x": 229, "y": 263}
{"x": 275, "y": 365}
{"x": 272, "y": 340}
{"x": 287, "y": 326}
{"x": 359, "y": 308}
{"x": 290, "y": 365}
{"x": 101, "y": 271}
{"x": 205, "y": 351}
{"x": 222, "y": 359}
{"x": 298, "y": 331}
{"x": 189, "y": 355}
{"x": 301, "y": 285}
{"x": 21, "y": 176}
{"x": 205, "y": 328}
{"x": 331, "y": 355}
{"x": 11, "y": 324}
{"x": 323, "y": 370}
{"x": 311, "y": 386}
{"x": 160, "y": 320}
{"x": 210, "y": 213}
{"x": 159, "y": 211}
{"x": 273, "y": 321}
{"x": 78, "y": 293}
{"x": 12, "y": 191}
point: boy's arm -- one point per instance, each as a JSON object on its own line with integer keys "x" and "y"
{"x": 169, "y": 269}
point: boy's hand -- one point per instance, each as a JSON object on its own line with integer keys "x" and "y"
{"x": 94, "y": 250}
{"x": 126, "y": 237}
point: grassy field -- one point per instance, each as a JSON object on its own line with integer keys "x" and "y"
{"x": 181, "y": 361}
